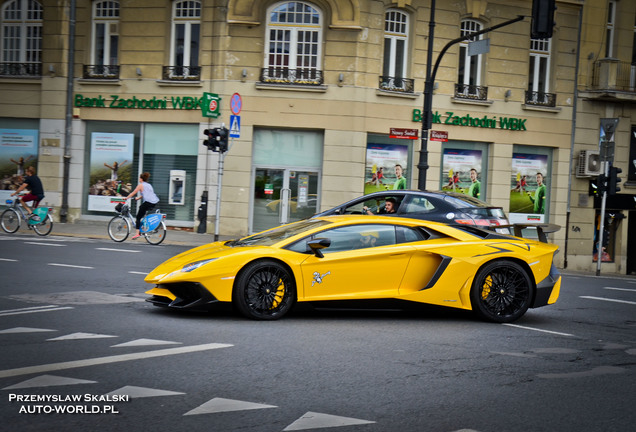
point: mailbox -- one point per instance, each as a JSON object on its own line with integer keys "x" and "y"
{"x": 176, "y": 190}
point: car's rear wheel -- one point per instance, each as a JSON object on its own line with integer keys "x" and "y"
{"x": 501, "y": 292}
{"x": 264, "y": 290}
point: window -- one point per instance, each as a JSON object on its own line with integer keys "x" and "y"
{"x": 293, "y": 46}
{"x": 609, "y": 29}
{"x": 539, "y": 73}
{"x": 105, "y": 40}
{"x": 184, "y": 49}
{"x": 469, "y": 78}
{"x": 395, "y": 52}
{"x": 21, "y": 43}
{"x": 353, "y": 237}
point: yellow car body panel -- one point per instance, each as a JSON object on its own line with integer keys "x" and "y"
{"x": 439, "y": 269}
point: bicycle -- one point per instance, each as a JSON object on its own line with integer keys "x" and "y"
{"x": 152, "y": 226}
{"x": 11, "y": 219}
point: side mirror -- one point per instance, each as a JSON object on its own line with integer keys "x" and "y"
{"x": 320, "y": 243}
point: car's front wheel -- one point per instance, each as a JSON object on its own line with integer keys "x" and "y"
{"x": 264, "y": 290}
{"x": 501, "y": 292}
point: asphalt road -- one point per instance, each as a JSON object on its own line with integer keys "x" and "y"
{"x": 73, "y": 324}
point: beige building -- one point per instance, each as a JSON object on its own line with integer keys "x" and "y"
{"x": 315, "y": 95}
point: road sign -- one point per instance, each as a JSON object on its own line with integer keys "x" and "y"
{"x": 236, "y": 104}
{"x": 401, "y": 133}
{"x": 210, "y": 106}
{"x": 439, "y": 136}
{"x": 235, "y": 126}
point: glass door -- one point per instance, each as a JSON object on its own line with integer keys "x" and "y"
{"x": 282, "y": 196}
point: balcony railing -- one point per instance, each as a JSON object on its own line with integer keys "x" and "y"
{"x": 20, "y": 69}
{"x": 540, "y": 99}
{"x": 471, "y": 92}
{"x": 182, "y": 73}
{"x": 101, "y": 72}
{"x": 281, "y": 75}
{"x": 612, "y": 74}
{"x": 403, "y": 85}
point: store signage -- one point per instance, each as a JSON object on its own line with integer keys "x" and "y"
{"x": 439, "y": 136}
{"x": 508, "y": 123}
{"x": 154, "y": 103}
{"x": 401, "y": 133}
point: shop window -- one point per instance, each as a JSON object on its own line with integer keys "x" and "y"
{"x": 396, "y": 28}
{"x": 21, "y": 44}
{"x": 611, "y": 223}
{"x": 470, "y": 67}
{"x": 293, "y": 48}
{"x": 539, "y": 74}
{"x": 104, "y": 41}
{"x": 185, "y": 42}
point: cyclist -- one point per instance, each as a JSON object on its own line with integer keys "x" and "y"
{"x": 36, "y": 191}
{"x": 146, "y": 192}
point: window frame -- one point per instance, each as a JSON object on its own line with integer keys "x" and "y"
{"x": 28, "y": 38}
{"x": 539, "y": 64}
{"x": 108, "y": 23}
{"x": 610, "y": 29}
{"x": 466, "y": 63}
{"x": 188, "y": 22}
{"x": 390, "y": 61}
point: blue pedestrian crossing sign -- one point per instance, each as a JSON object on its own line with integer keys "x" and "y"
{"x": 235, "y": 126}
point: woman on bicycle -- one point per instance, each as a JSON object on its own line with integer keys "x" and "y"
{"x": 146, "y": 192}
{"x": 36, "y": 191}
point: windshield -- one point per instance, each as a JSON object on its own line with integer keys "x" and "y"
{"x": 275, "y": 235}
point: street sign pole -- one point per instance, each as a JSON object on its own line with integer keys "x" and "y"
{"x": 218, "y": 196}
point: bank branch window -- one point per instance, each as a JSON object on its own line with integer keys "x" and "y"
{"x": 21, "y": 27}
{"x": 293, "y": 46}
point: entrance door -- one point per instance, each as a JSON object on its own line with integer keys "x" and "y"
{"x": 282, "y": 196}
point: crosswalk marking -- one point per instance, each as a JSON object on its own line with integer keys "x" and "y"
{"x": 48, "y": 381}
{"x": 313, "y": 420}
{"x": 218, "y": 405}
{"x": 142, "y": 392}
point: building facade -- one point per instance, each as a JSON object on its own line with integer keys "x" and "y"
{"x": 322, "y": 100}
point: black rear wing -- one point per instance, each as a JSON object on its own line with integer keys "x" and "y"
{"x": 542, "y": 229}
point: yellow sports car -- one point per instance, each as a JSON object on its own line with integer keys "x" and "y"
{"x": 336, "y": 258}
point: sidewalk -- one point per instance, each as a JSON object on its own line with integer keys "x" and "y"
{"x": 98, "y": 230}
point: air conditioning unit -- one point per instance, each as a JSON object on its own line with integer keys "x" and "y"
{"x": 589, "y": 163}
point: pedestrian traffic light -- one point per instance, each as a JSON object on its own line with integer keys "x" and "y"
{"x": 222, "y": 138}
{"x": 600, "y": 186}
{"x": 211, "y": 141}
{"x": 613, "y": 180}
{"x": 542, "y": 19}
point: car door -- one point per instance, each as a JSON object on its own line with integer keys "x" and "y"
{"x": 363, "y": 262}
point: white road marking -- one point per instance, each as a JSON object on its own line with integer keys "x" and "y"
{"x": 620, "y": 289}
{"x": 597, "y": 371}
{"x": 75, "y": 336}
{"x": 539, "y": 330}
{"x": 70, "y": 265}
{"x": 118, "y": 250}
{"x": 24, "y": 330}
{"x": 141, "y": 392}
{"x": 145, "y": 342}
{"x": 313, "y": 420}
{"x": 218, "y": 405}
{"x": 33, "y": 310}
{"x": 608, "y": 300}
{"x": 44, "y": 244}
{"x": 48, "y": 381}
{"x": 139, "y": 273}
{"x": 108, "y": 359}
{"x": 8, "y": 259}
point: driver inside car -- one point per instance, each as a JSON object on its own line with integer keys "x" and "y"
{"x": 390, "y": 206}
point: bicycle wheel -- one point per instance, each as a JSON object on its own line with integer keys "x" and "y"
{"x": 157, "y": 235}
{"x": 44, "y": 227}
{"x": 118, "y": 228}
{"x": 10, "y": 220}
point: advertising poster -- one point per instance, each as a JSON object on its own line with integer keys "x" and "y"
{"x": 18, "y": 150}
{"x": 529, "y": 193}
{"x": 386, "y": 167}
{"x": 461, "y": 171}
{"x": 110, "y": 169}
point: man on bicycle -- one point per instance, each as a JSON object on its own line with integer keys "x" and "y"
{"x": 36, "y": 191}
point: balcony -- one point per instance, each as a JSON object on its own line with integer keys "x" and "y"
{"x": 20, "y": 70}
{"x": 105, "y": 72}
{"x": 540, "y": 99}
{"x": 471, "y": 92}
{"x": 612, "y": 81}
{"x": 181, "y": 73}
{"x": 299, "y": 77}
{"x": 402, "y": 85}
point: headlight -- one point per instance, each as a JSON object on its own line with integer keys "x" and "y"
{"x": 195, "y": 265}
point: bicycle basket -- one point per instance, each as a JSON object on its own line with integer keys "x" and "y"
{"x": 118, "y": 207}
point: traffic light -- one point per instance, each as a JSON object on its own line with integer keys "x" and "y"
{"x": 222, "y": 138}
{"x": 211, "y": 142}
{"x": 601, "y": 184}
{"x": 542, "y": 19}
{"x": 613, "y": 180}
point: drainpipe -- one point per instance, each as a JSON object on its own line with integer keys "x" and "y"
{"x": 572, "y": 138}
{"x": 69, "y": 111}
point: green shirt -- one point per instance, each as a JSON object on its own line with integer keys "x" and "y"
{"x": 474, "y": 189}
{"x": 400, "y": 183}
{"x": 539, "y": 199}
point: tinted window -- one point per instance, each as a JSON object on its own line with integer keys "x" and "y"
{"x": 351, "y": 238}
{"x": 419, "y": 205}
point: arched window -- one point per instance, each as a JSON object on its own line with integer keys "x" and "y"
{"x": 185, "y": 45}
{"x": 470, "y": 66}
{"x": 105, "y": 40}
{"x": 21, "y": 42}
{"x": 294, "y": 44}
{"x": 396, "y": 28}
